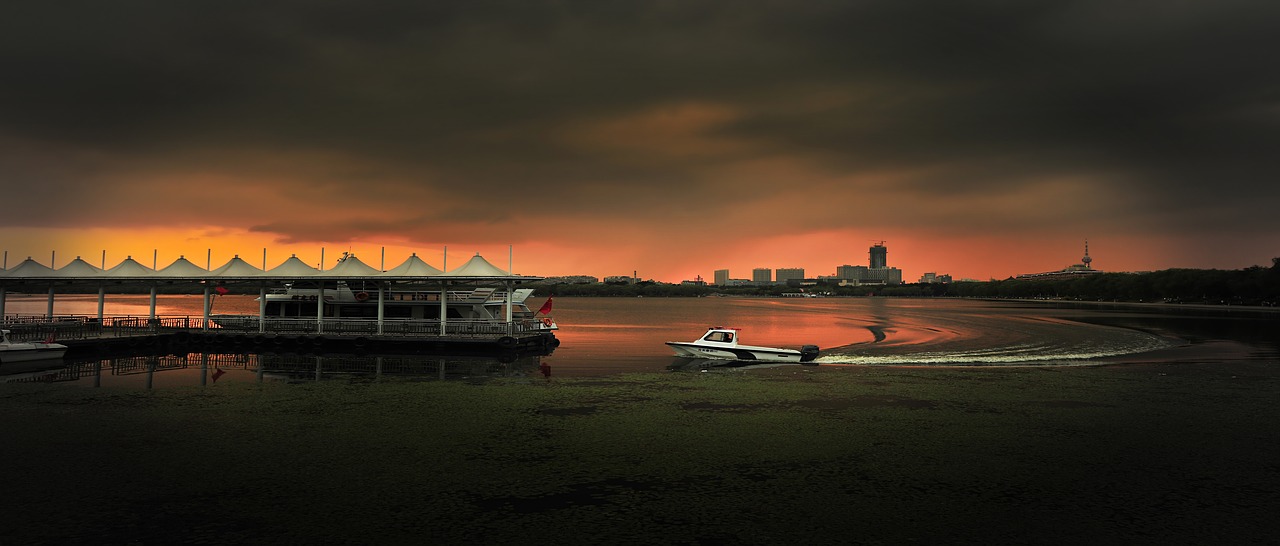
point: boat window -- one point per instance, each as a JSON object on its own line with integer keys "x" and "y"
{"x": 719, "y": 336}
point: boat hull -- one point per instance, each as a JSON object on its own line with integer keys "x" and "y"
{"x": 739, "y": 352}
{"x": 11, "y": 355}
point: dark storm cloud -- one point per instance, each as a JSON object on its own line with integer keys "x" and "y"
{"x": 1175, "y": 101}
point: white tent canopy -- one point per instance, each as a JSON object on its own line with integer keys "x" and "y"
{"x": 29, "y": 268}
{"x": 292, "y": 267}
{"x": 235, "y": 267}
{"x": 413, "y": 267}
{"x": 128, "y": 268}
{"x": 182, "y": 267}
{"x": 78, "y": 268}
{"x": 350, "y": 267}
{"x": 477, "y": 266}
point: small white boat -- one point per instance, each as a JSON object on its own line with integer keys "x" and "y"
{"x": 11, "y": 351}
{"x": 722, "y": 343}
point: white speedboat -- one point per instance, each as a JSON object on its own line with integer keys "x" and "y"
{"x": 722, "y": 343}
{"x": 11, "y": 351}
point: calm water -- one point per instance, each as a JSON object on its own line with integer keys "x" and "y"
{"x": 602, "y": 336}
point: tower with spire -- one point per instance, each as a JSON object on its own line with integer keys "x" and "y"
{"x": 1085, "y": 267}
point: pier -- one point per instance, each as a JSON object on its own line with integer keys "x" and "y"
{"x": 352, "y": 306}
{"x": 89, "y": 335}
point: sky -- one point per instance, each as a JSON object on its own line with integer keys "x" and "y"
{"x": 668, "y": 139}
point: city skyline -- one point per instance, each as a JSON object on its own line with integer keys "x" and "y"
{"x": 669, "y": 139}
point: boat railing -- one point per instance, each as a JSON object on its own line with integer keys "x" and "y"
{"x": 390, "y": 327}
{"x": 309, "y": 294}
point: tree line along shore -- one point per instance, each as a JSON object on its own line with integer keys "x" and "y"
{"x": 1255, "y": 285}
{"x": 1251, "y": 286}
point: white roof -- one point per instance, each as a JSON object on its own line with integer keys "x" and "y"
{"x": 182, "y": 267}
{"x": 414, "y": 267}
{"x": 128, "y": 268}
{"x": 292, "y": 267}
{"x": 350, "y": 266}
{"x": 478, "y": 267}
{"x": 78, "y": 268}
{"x": 29, "y": 268}
{"x": 235, "y": 267}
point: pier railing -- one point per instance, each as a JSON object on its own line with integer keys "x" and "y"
{"x": 71, "y": 327}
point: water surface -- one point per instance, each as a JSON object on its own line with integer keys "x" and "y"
{"x": 602, "y": 336}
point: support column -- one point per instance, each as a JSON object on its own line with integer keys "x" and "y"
{"x": 381, "y": 306}
{"x": 151, "y": 318}
{"x": 204, "y": 324}
{"x": 102, "y": 300}
{"x": 509, "y": 317}
{"x": 2, "y": 297}
{"x": 262, "y": 308}
{"x": 50, "y": 313}
{"x": 444, "y": 305}
{"x": 319, "y": 317}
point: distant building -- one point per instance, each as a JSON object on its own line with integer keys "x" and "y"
{"x": 853, "y": 272}
{"x": 697, "y": 281}
{"x": 762, "y": 275}
{"x": 786, "y": 274}
{"x": 1082, "y": 269}
{"x": 876, "y": 272}
{"x": 879, "y": 256}
{"x": 620, "y": 279}
{"x": 722, "y": 277}
{"x": 571, "y": 279}
{"x": 934, "y": 278}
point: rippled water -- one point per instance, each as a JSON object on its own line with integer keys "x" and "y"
{"x": 611, "y": 335}
{"x": 865, "y": 331}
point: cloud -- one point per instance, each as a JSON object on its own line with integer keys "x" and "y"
{"x": 337, "y": 121}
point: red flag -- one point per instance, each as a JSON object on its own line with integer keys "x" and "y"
{"x": 546, "y": 307}
{"x": 221, "y": 290}
{"x": 217, "y": 372}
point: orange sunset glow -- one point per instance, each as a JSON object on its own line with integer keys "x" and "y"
{"x": 666, "y": 139}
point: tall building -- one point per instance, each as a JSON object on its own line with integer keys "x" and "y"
{"x": 722, "y": 277}
{"x": 762, "y": 275}
{"x": 879, "y": 256}
{"x": 784, "y": 274}
{"x": 879, "y": 271}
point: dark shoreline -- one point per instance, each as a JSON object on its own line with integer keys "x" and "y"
{"x": 1175, "y": 452}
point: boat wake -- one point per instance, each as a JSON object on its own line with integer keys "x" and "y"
{"x": 1015, "y": 341}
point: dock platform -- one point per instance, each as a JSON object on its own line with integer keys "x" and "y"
{"x": 86, "y": 336}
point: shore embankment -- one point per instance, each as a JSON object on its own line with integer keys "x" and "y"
{"x": 1181, "y": 453}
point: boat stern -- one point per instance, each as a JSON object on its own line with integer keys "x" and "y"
{"x": 808, "y": 353}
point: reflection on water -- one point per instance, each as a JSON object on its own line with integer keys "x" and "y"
{"x": 687, "y": 364}
{"x": 205, "y": 369}
{"x": 607, "y": 335}
{"x": 603, "y": 336}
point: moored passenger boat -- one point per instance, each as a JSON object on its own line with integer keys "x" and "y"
{"x": 17, "y": 351}
{"x": 350, "y": 305}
